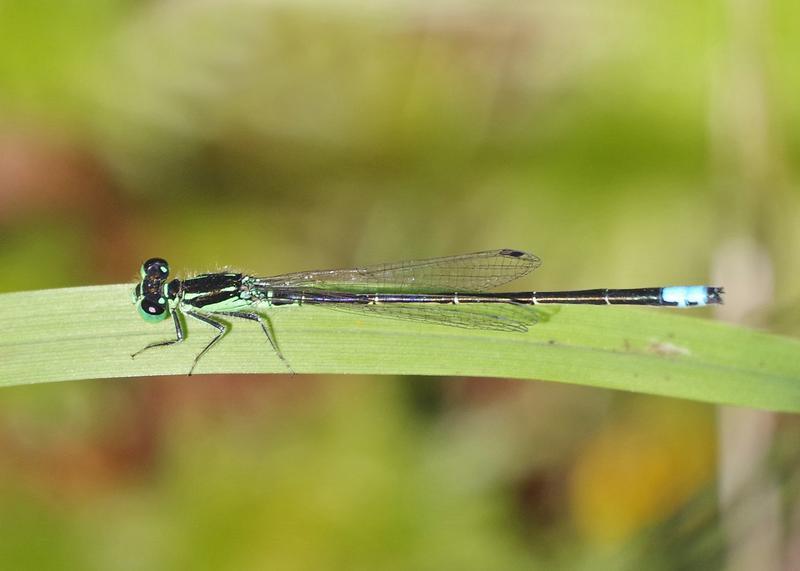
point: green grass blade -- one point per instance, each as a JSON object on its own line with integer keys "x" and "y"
{"x": 90, "y": 332}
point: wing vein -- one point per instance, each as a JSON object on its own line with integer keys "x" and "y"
{"x": 474, "y": 272}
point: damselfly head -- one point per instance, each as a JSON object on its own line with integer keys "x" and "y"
{"x": 150, "y": 294}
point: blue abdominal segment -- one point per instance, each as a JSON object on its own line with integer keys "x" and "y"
{"x": 685, "y": 296}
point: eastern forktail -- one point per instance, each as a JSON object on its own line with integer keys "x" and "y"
{"x": 447, "y": 291}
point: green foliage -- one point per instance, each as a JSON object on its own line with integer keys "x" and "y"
{"x": 91, "y": 332}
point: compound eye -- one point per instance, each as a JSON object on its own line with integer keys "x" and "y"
{"x": 152, "y": 310}
{"x": 155, "y": 268}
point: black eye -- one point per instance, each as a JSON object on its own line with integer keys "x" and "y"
{"x": 155, "y": 268}
{"x": 151, "y": 307}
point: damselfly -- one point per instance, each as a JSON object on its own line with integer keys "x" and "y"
{"x": 447, "y": 291}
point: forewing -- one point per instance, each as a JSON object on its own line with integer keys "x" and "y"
{"x": 465, "y": 273}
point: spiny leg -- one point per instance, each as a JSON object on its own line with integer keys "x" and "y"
{"x": 265, "y": 327}
{"x": 178, "y": 337}
{"x": 220, "y": 327}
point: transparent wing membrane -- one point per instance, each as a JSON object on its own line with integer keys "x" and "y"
{"x": 496, "y": 317}
{"x": 465, "y": 273}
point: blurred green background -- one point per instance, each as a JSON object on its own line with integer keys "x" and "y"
{"x": 627, "y": 144}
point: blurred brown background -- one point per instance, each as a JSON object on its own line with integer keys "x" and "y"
{"x": 627, "y": 144}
